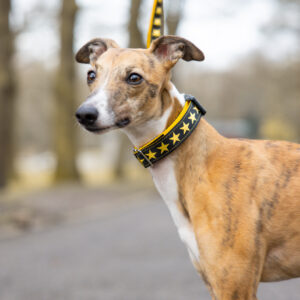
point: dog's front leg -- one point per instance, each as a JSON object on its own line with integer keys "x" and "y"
{"x": 230, "y": 281}
{"x": 231, "y": 271}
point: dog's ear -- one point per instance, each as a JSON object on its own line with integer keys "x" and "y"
{"x": 89, "y": 53}
{"x": 170, "y": 49}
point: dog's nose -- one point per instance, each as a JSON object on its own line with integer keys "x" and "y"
{"x": 87, "y": 115}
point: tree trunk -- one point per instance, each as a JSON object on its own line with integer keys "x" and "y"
{"x": 135, "y": 41}
{"x": 174, "y": 15}
{"x": 7, "y": 95}
{"x": 135, "y": 35}
{"x": 65, "y": 127}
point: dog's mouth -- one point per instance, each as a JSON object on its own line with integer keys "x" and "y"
{"x": 120, "y": 124}
{"x": 97, "y": 129}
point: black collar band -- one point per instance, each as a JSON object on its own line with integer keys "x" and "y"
{"x": 173, "y": 136}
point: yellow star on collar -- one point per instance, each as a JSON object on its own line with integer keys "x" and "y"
{"x": 192, "y": 117}
{"x": 185, "y": 128}
{"x": 196, "y": 109}
{"x": 151, "y": 154}
{"x": 163, "y": 148}
{"x": 175, "y": 138}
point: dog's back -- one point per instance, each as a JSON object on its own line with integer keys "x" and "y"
{"x": 278, "y": 200}
{"x": 259, "y": 187}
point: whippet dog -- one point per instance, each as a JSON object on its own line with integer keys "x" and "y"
{"x": 235, "y": 202}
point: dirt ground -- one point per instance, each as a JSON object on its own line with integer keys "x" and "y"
{"x": 109, "y": 243}
{"x": 33, "y": 211}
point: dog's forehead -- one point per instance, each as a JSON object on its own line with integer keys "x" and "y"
{"x": 141, "y": 58}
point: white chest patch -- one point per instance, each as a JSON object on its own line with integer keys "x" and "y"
{"x": 165, "y": 182}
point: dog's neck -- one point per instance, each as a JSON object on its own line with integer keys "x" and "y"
{"x": 173, "y": 104}
{"x": 153, "y": 127}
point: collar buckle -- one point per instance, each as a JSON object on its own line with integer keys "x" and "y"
{"x": 145, "y": 157}
{"x": 195, "y": 101}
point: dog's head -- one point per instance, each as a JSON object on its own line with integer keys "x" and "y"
{"x": 126, "y": 84}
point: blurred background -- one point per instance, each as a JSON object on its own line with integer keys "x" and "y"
{"x": 53, "y": 173}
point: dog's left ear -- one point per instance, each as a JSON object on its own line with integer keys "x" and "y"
{"x": 89, "y": 52}
{"x": 170, "y": 49}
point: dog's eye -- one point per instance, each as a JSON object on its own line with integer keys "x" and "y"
{"x": 134, "y": 78}
{"x": 91, "y": 76}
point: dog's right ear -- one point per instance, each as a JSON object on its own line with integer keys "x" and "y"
{"x": 89, "y": 53}
{"x": 170, "y": 48}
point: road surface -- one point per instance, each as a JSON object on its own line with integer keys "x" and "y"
{"x": 129, "y": 253}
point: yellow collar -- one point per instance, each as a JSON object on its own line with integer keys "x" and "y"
{"x": 173, "y": 136}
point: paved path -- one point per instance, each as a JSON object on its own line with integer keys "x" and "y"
{"x": 132, "y": 253}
